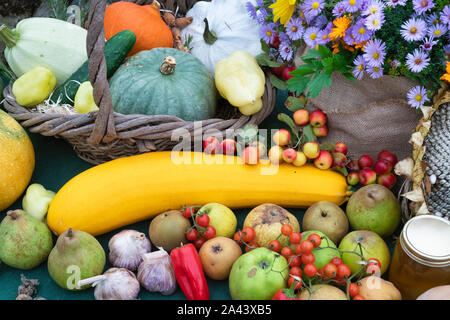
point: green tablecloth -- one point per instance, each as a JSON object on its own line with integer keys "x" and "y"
{"x": 56, "y": 163}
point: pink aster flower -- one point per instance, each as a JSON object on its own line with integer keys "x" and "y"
{"x": 414, "y": 29}
{"x": 422, "y": 6}
{"x": 360, "y": 65}
{"x": 417, "y": 97}
{"x": 374, "y": 53}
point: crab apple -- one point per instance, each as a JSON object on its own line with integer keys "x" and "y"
{"x": 367, "y": 176}
{"x": 261, "y": 147}
{"x": 228, "y": 146}
{"x": 301, "y": 117}
{"x": 324, "y": 160}
{"x": 282, "y": 137}
{"x": 388, "y": 180}
{"x": 353, "y": 165}
{"x": 365, "y": 161}
{"x": 388, "y": 156}
{"x": 300, "y": 160}
{"x": 287, "y": 73}
{"x": 341, "y": 148}
{"x": 276, "y": 154}
{"x": 211, "y": 145}
{"x": 250, "y": 155}
{"x": 278, "y": 70}
{"x": 339, "y": 159}
{"x": 311, "y": 149}
{"x": 275, "y": 42}
{"x": 289, "y": 155}
{"x": 317, "y": 118}
{"x": 382, "y": 166}
{"x": 320, "y": 132}
{"x": 353, "y": 178}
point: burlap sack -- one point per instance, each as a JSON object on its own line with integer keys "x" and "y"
{"x": 368, "y": 115}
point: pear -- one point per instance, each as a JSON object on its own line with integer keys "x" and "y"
{"x": 25, "y": 242}
{"x": 77, "y": 255}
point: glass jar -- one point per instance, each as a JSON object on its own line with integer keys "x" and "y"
{"x": 421, "y": 258}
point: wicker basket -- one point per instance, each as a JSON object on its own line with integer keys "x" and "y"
{"x": 426, "y": 188}
{"x": 104, "y": 135}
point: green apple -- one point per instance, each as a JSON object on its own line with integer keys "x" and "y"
{"x": 366, "y": 243}
{"x": 325, "y": 252}
{"x": 375, "y": 208}
{"x": 258, "y": 275}
{"x": 221, "y": 218}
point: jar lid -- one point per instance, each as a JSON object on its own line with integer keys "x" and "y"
{"x": 428, "y": 238}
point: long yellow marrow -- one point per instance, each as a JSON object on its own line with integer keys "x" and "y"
{"x": 132, "y": 189}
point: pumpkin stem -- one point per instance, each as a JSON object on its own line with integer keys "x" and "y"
{"x": 168, "y": 65}
{"x": 8, "y": 36}
{"x": 209, "y": 36}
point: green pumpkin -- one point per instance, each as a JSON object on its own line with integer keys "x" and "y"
{"x": 164, "y": 81}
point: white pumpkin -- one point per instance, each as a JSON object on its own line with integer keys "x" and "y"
{"x": 230, "y": 23}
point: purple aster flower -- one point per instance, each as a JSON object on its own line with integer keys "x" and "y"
{"x": 284, "y": 37}
{"x": 417, "y": 61}
{"x": 364, "y": 5}
{"x": 313, "y": 7}
{"x": 374, "y": 53}
{"x": 417, "y": 97}
{"x": 432, "y": 18}
{"x": 360, "y": 32}
{"x": 374, "y": 72}
{"x": 286, "y": 51}
{"x": 414, "y": 29}
{"x": 447, "y": 49}
{"x": 445, "y": 16}
{"x": 437, "y": 30}
{"x": 251, "y": 10}
{"x": 395, "y": 63}
{"x": 319, "y": 21}
{"x": 352, "y": 5}
{"x": 348, "y": 37}
{"x": 394, "y": 3}
{"x": 311, "y": 36}
{"x": 294, "y": 29}
{"x": 267, "y": 32}
{"x": 360, "y": 65}
{"x": 260, "y": 3}
{"x": 428, "y": 44}
{"x": 374, "y": 22}
{"x": 339, "y": 9}
{"x": 262, "y": 14}
{"x": 422, "y": 6}
{"x": 322, "y": 37}
{"x": 374, "y": 7}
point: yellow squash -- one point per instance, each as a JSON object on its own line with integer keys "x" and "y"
{"x": 131, "y": 189}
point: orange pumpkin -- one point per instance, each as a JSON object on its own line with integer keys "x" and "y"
{"x": 144, "y": 21}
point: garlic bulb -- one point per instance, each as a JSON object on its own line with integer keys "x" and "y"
{"x": 156, "y": 273}
{"x": 126, "y": 249}
{"x": 114, "y": 284}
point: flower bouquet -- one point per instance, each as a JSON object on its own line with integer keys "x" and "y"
{"x": 398, "y": 48}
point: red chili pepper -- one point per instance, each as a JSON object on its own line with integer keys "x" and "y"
{"x": 285, "y": 294}
{"x": 188, "y": 270}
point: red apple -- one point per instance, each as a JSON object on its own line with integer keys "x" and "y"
{"x": 276, "y": 154}
{"x": 286, "y": 73}
{"x": 339, "y": 159}
{"x": 388, "y": 156}
{"x": 300, "y": 160}
{"x": 341, "y": 148}
{"x": 311, "y": 149}
{"x": 324, "y": 160}
{"x": 250, "y": 155}
{"x": 211, "y": 145}
{"x": 289, "y": 155}
{"x": 228, "y": 146}
{"x": 367, "y": 176}
{"x": 388, "y": 180}
{"x": 317, "y": 118}
{"x": 301, "y": 117}
{"x": 365, "y": 161}
{"x": 282, "y": 137}
{"x": 278, "y": 70}
{"x": 382, "y": 166}
{"x": 320, "y": 132}
{"x": 353, "y": 178}
{"x": 353, "y": 165}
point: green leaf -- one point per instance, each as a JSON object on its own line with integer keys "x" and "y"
{"x": 248, "y": 133}
{"x": 308, "y": 134}
{"x": 264, "y": 60}
{"x": 328, "y": 146}
{"x": 342, "y": 171}
{"x": 298, "y": 84}
{"x": 289, "y": 121}
{"x": 293, "y": 104}
{"x": 316, "y": 85}
{"x": 349, "y": 76}
{"x": 328, "y": 65}
{"x": 303, "y": 70}
{"x": 265, "y": 47}
{"x": 311, "y": 54}
{"x": 324, "y": 52}
{"x": 278, "y": 83}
